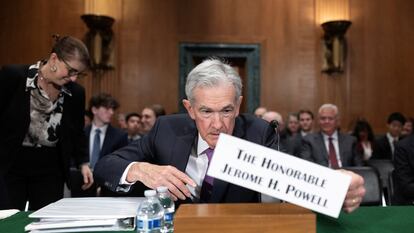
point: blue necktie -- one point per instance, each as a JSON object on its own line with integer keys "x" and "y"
{"x": 96, "y": 148}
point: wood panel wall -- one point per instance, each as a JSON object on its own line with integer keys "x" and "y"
{"x": 377, "y": 81}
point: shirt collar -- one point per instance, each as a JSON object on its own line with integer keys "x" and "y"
{"x": 102, "y": 128}
{"x": 202, "y": 145}
{"x": 334, "y": 136}
{"x": 391, "y": 138}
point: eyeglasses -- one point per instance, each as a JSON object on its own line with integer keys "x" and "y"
{"x": 72, "y": 71}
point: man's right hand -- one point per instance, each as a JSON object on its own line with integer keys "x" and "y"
{"x": 154, "y": 176}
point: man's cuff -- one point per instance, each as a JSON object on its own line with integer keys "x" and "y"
{"x": 123, "y": 180}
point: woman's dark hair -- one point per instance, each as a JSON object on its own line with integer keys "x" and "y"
{"x": 363, "y": 125}
{"x": 69, "y": 48}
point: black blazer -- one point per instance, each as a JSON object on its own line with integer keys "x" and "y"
{"x": 403, "y": 174}
{"x": 15, "y": 119}
{"x": 170, "y": 142}
{"x": 382, "y": 148}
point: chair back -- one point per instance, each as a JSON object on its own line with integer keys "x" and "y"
{"x": 373, "y": 187}
{"x": 384, "y": 167}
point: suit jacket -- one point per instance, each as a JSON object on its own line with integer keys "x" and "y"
{"x": 403, "y": 174}
{"x": 315, "y": 151}
{"x": 114, "y": 139}
{"x": 15, "y": 120}
{"x": 170, "y": 142}
{"x": 382, "y": 148}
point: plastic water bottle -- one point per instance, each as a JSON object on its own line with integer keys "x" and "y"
{"x": 150, "y": 216}
{"x": 169, "y": 209}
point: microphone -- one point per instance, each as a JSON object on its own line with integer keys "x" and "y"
{"x": 275, "y": 125}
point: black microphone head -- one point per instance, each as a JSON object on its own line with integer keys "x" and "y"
{"x": 274, "y": 124}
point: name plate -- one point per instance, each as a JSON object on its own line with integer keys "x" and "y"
{"x": 279, "y": 175}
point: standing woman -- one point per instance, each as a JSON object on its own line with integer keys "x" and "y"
{"x": 42, "y": 119}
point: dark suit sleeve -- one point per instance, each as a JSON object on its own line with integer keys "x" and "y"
{"x": 306, "y": 149}
{"x": 357, "y": 155}
{"x": 404, "y": 168}
{"x": 109, "y": 169}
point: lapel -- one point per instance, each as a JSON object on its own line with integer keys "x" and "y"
{"x": 181, "y": 147}
{"x": 220, "y": 187}
{"x": 341, "y": 141}
{"x": 324, "y": 151}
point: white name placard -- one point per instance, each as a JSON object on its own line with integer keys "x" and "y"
{"x": 279, "y": 175}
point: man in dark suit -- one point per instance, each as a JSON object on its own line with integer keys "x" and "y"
{"x": 295, "y": 143}
{"x": 384, "y": 145}
{"x": 102, "y": 106}
{"x": 329, "y": 147}
{"x": 403, "y": 174}
{"x": 176, "y": 152}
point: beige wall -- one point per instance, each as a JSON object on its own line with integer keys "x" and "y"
{"x": 147, "y": 32}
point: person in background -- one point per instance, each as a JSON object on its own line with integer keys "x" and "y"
{"x": 133, "y": 121}
{"x": 260, "y": 111}
{"x": 121, "y": 121}
{"x": 408, "y": 127}
{"x": 88, "y": 118}
{"x": 295, "y": 143}
{"x": 329, "y": 147}
{"x": 403, "y": 174}
{"x": 365, "y": 139}
{"x": 275, "y": 120}
{"x": 102, "y": 137}
{"x": 177, "y": 151}
{"x": 149, "y": 115}
{"x": 42, "y": 120}
{"x": 293, "y": 124}
{"x": 384, "y": 145}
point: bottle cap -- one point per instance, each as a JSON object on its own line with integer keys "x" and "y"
{"x": 150, "y": 193}
{"x": 162, "y": 189}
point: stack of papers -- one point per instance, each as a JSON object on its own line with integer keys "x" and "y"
{"x": 86, "y": 214}
{"x": 7, "y": 213}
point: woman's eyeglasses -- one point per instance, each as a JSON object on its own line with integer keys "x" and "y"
{"x": 72, "y": 71}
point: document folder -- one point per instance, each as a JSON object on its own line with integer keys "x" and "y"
{"x": 86, "y": 214}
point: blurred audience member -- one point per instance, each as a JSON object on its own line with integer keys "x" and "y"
{"x": 121, "y": 121}
{"x": 102, "y": 137}
{"x": 408, "y": 127}
{"x": 88, "y": 118}
{"x": 365, "y": 138}
{"x": 150, "y": 115}
{"x": 305, "y": 122}
{"x": 384, "y": 145}
{"x": 329, "y": 147}
{"x": 293, "y": 124}
{"x": 133, "y": 121}
{"x": 260, "y": 111}
{"x": 403, "y": 174}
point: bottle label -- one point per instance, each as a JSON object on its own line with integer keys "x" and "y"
{"x": 168, "y": 217}
{"x": 149, "y": 224}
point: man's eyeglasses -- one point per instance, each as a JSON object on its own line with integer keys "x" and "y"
{"x": 72, "y": 71}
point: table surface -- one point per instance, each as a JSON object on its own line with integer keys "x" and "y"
{"x": 363, "y": 220}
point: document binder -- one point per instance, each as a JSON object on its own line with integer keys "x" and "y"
{"x": 86, "y": 214}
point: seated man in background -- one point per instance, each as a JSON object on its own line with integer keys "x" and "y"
{"x": 133, "y": 122}
{"x": 403, "y": 174}
{"x": 149, "y": 116}
{"x": 384, "y": 145}
{"x": 177, "y": 151}
{"x": 329, "y": 147}
{"x": 295, "y": 143}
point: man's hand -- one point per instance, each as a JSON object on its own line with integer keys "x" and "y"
{"x": 355, "y": 192}
{"x": 87, "y": 176}
{"x": 154, "y": 176}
